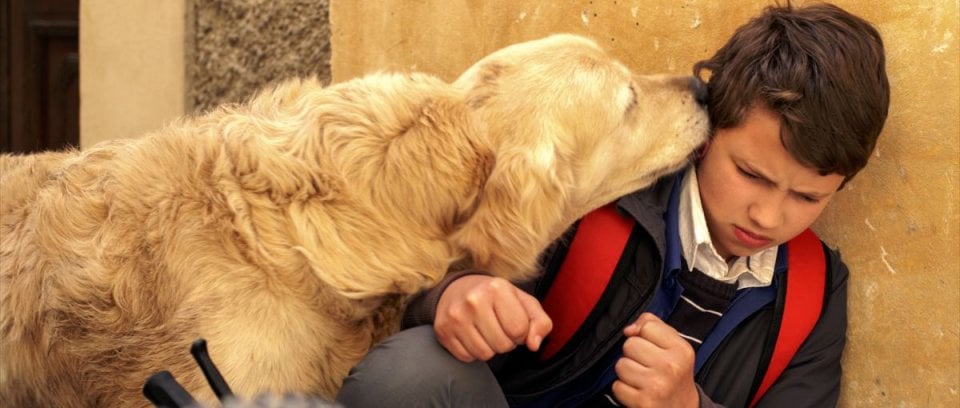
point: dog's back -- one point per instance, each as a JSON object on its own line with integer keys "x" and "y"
{"x": 115, "y": 258}
{"x": 49, "y": 217}
{"x": 21, "y": 176}
{"x": 93, "y": 250}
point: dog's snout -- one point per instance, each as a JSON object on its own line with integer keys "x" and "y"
{"x": 699, "y": 89}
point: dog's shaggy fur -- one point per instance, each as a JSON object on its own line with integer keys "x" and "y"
{"x": 290, "y": 230}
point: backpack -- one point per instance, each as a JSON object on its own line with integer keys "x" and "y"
{"x": 607, "y": 233}
{"x": 806, "y": 285}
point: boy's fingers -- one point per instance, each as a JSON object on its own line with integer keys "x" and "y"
{"x": 635, "y": 328}
{"x": 540, "y": 323}
{"x": 659, "y": 333}
{"x": 508, "y": 301}
{"x": 455, "y": 347}
{"x": 477, "y": 346}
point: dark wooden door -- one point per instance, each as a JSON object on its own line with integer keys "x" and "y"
{"x": 39, "y": 75}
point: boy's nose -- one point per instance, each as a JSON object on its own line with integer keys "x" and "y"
{"x": 767, "y": 212}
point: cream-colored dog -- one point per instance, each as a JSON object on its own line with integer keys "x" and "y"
{"x": 290, "y": 230}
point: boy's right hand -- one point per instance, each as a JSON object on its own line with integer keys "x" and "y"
{"x": 479, "y": 316}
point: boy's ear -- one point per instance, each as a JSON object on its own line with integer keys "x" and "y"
{"x": 702, "y": 151}
{"x": 513, "y": 222}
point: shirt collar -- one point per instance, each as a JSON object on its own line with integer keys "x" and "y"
{"x": 698, "y": 250}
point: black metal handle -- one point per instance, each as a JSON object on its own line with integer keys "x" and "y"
{"x": 219, "y": 385}
{"x": 164, "y": 391}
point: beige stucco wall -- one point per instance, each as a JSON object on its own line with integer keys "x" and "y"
{"x": 131, "y": 67}
{"x": 896, "y": 223}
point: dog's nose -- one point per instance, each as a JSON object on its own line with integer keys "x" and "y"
{"x": 699, "y": 90}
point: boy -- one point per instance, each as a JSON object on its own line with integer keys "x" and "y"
{"x": 797, "y": 98}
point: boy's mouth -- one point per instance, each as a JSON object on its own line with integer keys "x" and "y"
{"x": 751, "y": 239}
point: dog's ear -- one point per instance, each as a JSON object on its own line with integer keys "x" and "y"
{"x": 521, "y": 202}
{"x": 260, "y": 148}
{"x": 262, "y": 168}
{"x": 481, "y": 82}
{"x": 517, "y": 213}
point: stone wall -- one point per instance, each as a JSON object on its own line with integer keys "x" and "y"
{"x": 239, "y": 46}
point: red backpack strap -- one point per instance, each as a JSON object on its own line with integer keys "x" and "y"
{"x": 806, "y": 282}
{"x": 584, "y": 274}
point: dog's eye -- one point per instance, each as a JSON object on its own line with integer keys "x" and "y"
{"x": 632, "y": 97}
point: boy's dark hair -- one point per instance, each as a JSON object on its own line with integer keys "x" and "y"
{"x": 821, "y": 68}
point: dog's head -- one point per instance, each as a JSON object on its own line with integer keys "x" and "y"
{"x": 572, "y": 129}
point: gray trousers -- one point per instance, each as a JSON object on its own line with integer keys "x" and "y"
{"x": 411, "y": 369}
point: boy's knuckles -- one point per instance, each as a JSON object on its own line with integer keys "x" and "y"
{"x": 458, "y": 315}
{"x": 475, "y": 299}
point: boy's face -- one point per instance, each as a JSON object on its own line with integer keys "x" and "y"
{"x": 755, "y": 195}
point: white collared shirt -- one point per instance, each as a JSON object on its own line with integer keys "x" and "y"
{"x": 698, "y": 250}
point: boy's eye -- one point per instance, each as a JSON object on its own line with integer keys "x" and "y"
{"x": 755, "y": 177}
{"x": 808, "y": 198}
{"x": 747, "y": 173}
